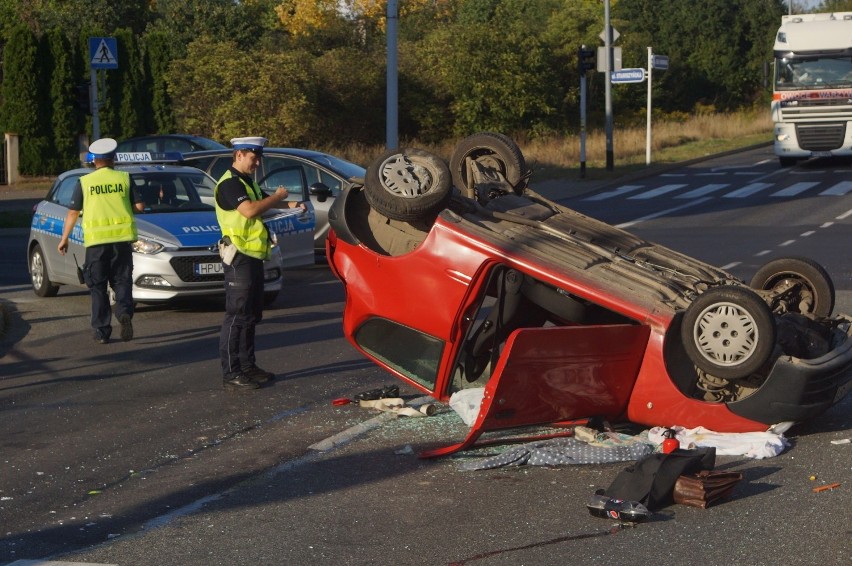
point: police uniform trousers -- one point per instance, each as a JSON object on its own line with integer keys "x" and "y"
{"x": 243, "y": 310}
{"x": 109, "y": 265}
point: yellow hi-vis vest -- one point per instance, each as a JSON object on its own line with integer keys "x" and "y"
{"x": 107, "y": 209}
{"x": 249, "y": 235}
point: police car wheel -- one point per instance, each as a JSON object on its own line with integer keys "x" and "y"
{"x": 42, "y": 285}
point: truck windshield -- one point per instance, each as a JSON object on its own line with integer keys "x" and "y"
{"x": 813, "y": 73}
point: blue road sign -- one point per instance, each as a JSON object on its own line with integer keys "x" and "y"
{"x": 628, "y": 76}
{"x": 103, "y": 53}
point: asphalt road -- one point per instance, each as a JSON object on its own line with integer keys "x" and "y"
{"x": 133, "y": 455}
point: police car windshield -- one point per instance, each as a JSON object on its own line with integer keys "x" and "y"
{"x": 170, "y": 191}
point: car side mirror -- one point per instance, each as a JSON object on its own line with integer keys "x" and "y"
{"x": 320, "y": 190}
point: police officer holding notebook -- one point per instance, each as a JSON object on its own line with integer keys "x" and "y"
{"x": 239, "y": 206}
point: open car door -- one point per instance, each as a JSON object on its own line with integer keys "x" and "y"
{"x": 555, "y": 374}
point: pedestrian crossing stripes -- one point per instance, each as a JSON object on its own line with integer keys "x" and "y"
{"x": 724, "y": 190}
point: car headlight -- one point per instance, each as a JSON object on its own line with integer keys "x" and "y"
{"x": 143, "y": 246}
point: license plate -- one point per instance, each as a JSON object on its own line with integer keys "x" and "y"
{"x": 820, "y": 154}
{"x": 210, "y": 268}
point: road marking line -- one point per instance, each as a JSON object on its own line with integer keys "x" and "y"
{"x": 787, "y": 243}
{"x": 701, "y": 191}
{"x": 794, "y": 189}
{"x": 617, "y": 192}
{"x": 748, "y": 190}
{"x": 662, "y": 213}
{"x": 657, "y": 192}
{"x": 839, "y": 189}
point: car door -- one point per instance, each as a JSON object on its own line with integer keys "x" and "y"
{"x": 52, "y": 212}
{"x": 293, "y": 228}
{"x": 312, "y": 175}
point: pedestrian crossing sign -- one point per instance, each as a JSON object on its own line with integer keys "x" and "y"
{"x": 103, "y": 53}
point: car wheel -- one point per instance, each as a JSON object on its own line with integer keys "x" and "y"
{"x": 269, "y": 297}
{"x": 42, "y": 285}
{"x": 408, "y": 184}
{"x": 728, "y": 332}
{"x": 798, "y": 284}
{"x": 493, "y": 152}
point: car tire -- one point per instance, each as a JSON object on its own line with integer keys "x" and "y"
{"x": 729, "y": 332}
{"x": 42, "y": 285}
{"x": 408, "y": 184}
{"x": 492, "y": 151}
{"x": 269, "y": 297}
{"x": 815, "y": 293}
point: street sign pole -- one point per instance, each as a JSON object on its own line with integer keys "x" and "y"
{"x": 608, "y": 86}
{"x": 648, "y": 110}
{"x": 582, "y": 125}
{"x": 103, "y": 54}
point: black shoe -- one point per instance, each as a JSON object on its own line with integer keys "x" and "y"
{"x": 126, "y": 327}
{"x": 239, "y": 383}
{"x": 258, "y": 375}
{"x": 101, "y": 339}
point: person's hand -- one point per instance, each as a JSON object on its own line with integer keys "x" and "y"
{"x": 63, "y": 246}
{"x": 281, "y": 192}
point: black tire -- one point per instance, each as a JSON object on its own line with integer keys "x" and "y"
{"x": 492, "y": 151}
{"x": 787, "y": 161}
{"x": 729, "y": 332}
{"x": 269, "y": 297}
{"x": 812, "y": 292}
{"x": 408, "y": 184}
{"x": 42, "y": 285}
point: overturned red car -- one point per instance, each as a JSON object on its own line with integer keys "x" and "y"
{"x": 459, "y": 275}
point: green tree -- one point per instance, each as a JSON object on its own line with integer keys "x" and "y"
{"x": 226, "y": 92}
{"x": 64, "y": 122}
{"x": 23, "y": 89}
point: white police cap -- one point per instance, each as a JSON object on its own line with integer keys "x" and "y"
{"x": 254, "y": 144}
{"x": 103, "y": 148}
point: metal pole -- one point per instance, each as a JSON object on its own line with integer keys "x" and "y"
{"x": 583, "y": 124}
{"x": 608, "y": 83}
{"x": 392, "y": 133}
{"x": 93, "y": 103}
{"x": 648, "y": 112}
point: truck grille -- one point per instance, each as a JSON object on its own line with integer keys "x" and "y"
{"x": 820, "y": 137}
{"x": 184, "y": 266}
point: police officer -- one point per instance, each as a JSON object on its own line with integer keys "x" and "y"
{"x": 239, "y": 206}
{"x": 109, "y": 226}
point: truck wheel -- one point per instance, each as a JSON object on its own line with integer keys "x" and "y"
{"x": 729, "y": 332}
{"x": 494, "y": 152}
{"x": 798, "y": 284}
{"x": 787, "y": 161}
{"x": 408, "y": 184}
{"x": 42, "y": 285}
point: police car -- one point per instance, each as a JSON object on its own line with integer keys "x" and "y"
{"x": 175, "y": 254}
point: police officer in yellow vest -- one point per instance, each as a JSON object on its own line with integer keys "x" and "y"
{"x": 109, "y": 227}
{"x": 239, "y": 206}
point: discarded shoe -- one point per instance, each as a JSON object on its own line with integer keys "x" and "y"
{"x": 239, "y": 383}
{"x": 384, "y": 393}
{"x": 258, "y": 375}
{"x": 126, "y": 327}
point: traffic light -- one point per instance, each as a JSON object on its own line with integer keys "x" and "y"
{"x": 83, "y": 98}
{"x": 585, "y": 59}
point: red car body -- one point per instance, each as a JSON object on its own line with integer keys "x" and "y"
{"x": 414, "y": 294}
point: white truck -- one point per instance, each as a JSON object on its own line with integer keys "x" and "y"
{"x": 812, "y": 97}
